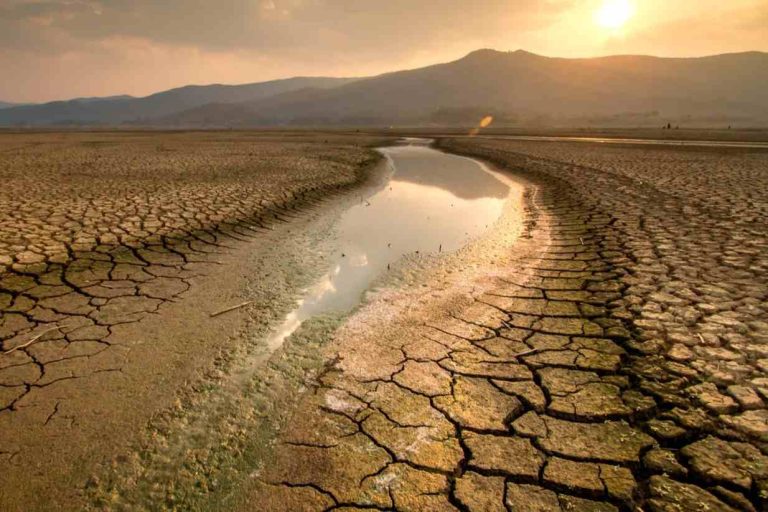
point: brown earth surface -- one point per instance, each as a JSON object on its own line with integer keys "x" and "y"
{"x": 682, "y": 134}
{"x": 613, "y": 357}
{"x": 607, "y": 353}
{"x": 101, "y": 237}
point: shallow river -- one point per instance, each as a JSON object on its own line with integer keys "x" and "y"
{"x": 433, "y": 202}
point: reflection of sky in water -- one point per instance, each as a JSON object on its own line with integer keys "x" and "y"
{"x": 434, "y": 201}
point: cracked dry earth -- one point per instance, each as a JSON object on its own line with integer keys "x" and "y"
{"x": 617, "y": 362}
{"x": 99, "y": 231}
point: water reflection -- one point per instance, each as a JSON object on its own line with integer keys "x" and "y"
{"x": 434, "y": 202}
{"x": 466, "y": 180}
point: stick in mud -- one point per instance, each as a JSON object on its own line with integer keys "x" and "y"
{"x": 232, "y": 308}
{"x": 36, "y": 338}
{"x": 526, "y": 353}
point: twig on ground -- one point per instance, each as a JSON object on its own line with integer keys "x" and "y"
{"x": 34, "y": 339}
{"x": 232, "y": 308}
{"x": 527, "y": 352}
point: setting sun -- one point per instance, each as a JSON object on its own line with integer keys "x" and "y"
{"x": 614, "y": 13}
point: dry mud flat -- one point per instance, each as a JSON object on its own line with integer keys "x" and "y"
{"x": 101, "y": 234}
{"x": 612, "y": 357}
{"x": 607, "y": 353}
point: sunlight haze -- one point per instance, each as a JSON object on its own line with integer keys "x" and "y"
{"x": 59, "y": 49}
{"x": 615, "y": 13}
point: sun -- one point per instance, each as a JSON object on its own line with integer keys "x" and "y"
{"x": 614, "y": 13}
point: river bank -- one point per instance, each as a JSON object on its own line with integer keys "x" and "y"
{"x": 226, "y": 433}
{"x": 611, "y": 358}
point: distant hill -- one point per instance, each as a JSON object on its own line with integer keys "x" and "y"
{"x": 122, "y": 109}
{"x": 516, "y": 88}
{"x": 5, "y": 104}
{"x": 521, "y": 87}
{"x": 99, "y": 99}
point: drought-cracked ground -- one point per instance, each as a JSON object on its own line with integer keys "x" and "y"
{"x": 98, "y": 232}
{"x": 616, "y": 361}
{"x": 609, "y": 353}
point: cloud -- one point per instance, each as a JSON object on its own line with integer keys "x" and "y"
{"x": 271, "y": 25}
{"x": 61, "y": 48}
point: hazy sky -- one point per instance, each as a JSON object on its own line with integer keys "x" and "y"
{"x": 54, "y": 49}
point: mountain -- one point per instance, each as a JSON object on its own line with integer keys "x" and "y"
{"x": 5, "y": 104}
{"x": 99, "y": 99}
{"x": 121, "y": 109}
{"x": 521, "y": 87}
{"x": 516, "y": 88}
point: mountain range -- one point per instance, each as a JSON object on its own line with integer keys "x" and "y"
{"x": 516, "y": 88}
{"x": 114, "y": 110}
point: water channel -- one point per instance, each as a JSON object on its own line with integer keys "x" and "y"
{"x": 432, "y": 202}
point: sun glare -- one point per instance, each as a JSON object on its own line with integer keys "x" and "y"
{"x": 614, "y": 13}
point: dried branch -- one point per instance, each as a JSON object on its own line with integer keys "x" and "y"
{"x": 33, "y": 340}
{"x": 232, "y": 308}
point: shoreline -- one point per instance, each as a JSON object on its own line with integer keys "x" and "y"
{"x": 545, "y": 382}
{"x": 239, "y": 401}
{"x": 282, "y": 379}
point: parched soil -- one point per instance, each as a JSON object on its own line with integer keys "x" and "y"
{"x": 607, "y": 354}
{"x": 101, "y": 233}
{"x": 614, "y": 358}
{"x": 685, "y": 134}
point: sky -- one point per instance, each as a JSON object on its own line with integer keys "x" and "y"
{"x": 59, "y": 49}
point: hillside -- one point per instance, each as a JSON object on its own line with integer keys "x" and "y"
{"x": 521, "y": 87}
{"x": 516, "y": 88}
{"x": 122, "y": 109}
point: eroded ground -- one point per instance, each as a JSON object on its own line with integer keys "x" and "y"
{"x": 101, "y": 234}
{"x": 614, "y": 358}
{"x": 609, "y": 353}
